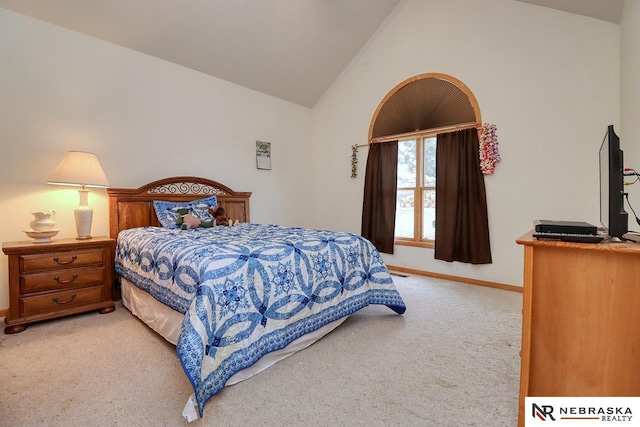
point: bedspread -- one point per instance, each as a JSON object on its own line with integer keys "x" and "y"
{"x": 251, "y": 289}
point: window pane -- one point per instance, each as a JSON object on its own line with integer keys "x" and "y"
{"x": 430, "y": 162}
{"x": 429, "y": 215}
{"x": 404, "y": 214}
{"x": 407, "y": 163}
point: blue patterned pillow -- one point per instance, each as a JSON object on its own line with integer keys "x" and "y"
{"x": 167, "y": 212}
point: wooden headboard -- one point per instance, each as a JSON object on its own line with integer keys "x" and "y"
{"x": 129, "y": 208}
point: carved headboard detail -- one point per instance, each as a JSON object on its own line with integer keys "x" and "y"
{"x": 129, "y": 208}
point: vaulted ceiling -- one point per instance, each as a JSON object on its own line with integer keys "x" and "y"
{"x": 290, "y": 49}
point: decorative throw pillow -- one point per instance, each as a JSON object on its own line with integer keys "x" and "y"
{"x": 167, "y": 211}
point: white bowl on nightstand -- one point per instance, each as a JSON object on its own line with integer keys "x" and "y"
{"x": 42, "y": 236}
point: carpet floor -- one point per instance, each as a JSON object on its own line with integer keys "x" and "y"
{"x": 451, "y": 360}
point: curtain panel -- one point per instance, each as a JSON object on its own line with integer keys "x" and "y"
{"x": 462, "y": 223}
{"x": 379, "y": 201}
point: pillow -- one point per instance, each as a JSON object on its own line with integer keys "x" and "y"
{"x": 167, "y": 212}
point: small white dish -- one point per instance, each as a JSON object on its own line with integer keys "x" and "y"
{"x": 42, "y": 236}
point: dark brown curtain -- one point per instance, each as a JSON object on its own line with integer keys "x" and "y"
{"x": 462, "y": 224}
{"x": 380, "y": 188}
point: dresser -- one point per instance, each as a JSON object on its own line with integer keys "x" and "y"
{"x": 580, "y": 319}
{"x": 58, "y": 278}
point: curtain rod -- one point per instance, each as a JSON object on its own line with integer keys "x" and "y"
{"x": 421, "y": 132}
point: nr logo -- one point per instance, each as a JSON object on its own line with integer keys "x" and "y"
{"x": 542, "y": 412}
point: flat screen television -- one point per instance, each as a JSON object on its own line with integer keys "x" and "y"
{"x": 612, "y": 214}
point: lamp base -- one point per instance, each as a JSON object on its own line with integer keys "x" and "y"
{"x": 83, "y": 215}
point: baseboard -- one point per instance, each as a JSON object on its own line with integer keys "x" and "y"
{"x": 3, "y": 312}
{"x": 456, "y": 278}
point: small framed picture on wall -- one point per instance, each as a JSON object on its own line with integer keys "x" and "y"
{"x": 263, "y": 155}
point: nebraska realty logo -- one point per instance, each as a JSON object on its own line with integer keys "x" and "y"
{"x": 582, "y": 411}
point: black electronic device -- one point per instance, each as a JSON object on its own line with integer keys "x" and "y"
{"x": 612, "y": 214}
{"x": 566, "y": 227}
{"x": 570, "y": 237}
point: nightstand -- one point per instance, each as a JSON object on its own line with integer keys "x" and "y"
{"x": 58, "y": 278}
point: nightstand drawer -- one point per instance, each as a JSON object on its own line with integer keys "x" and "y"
{"x": 62, "y": 279}
{"x": 54, "y": 302}
{"x": 56, "y": 260}
{"x": 58, "y": 278}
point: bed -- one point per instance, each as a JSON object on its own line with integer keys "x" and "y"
{"x": 234, "y": 300}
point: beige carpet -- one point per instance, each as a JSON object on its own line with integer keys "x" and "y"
{"x": 450, "y": 360}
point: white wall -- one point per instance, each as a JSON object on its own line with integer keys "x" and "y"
{"x": 145, "y": 119}
{"x": 630, "y": 98}
{"x": 550, "y": 82}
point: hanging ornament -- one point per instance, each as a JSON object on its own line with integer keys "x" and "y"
{"x": 489, "y": 155}
{"x": 354, "y": 161}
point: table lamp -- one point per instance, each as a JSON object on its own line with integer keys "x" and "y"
{"x": 82, "y": 169}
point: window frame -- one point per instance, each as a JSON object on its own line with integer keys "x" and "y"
{"x": 422, "y": 133}
{"x": 418, "y": 190}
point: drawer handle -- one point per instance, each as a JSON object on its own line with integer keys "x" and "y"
{"x": 55, "y": 299}
{"x": 64, "y": 282}
{"x": 73, "y": 258}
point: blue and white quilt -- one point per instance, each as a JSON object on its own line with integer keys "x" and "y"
{"x": 251, "y": 289}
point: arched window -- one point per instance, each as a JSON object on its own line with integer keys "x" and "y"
{"x": 413, "y": 113}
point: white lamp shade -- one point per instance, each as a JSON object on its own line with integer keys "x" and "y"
{"x": 79, "y": 168}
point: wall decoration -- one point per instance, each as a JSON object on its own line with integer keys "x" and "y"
{"x": 354, "y": 161}
{"x": 263, "y": 155}
{"x": 489, "y": 155}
